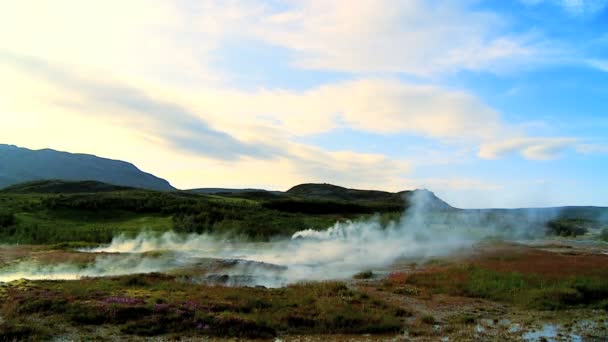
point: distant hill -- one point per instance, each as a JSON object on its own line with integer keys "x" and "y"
{"x": 254, "y": 194}
{"x": 62, "y": 187}
{"x": 213, "y": 191}
{"x": 599, "y": 214}
{"x": 18, "y": 165}
{"x": 337, "y": 193}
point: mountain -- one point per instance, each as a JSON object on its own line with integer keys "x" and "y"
{"x": 18, "y": 165}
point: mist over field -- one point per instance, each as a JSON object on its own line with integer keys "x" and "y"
{"x": 338, "y": 252}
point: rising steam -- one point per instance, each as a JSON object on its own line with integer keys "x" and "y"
{"x": 335, "y": 253}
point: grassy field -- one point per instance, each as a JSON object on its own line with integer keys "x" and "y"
{"x": 528, "y": 278}
{"x": 95, "y": 217}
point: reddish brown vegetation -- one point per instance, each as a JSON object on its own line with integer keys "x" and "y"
{"x": 546, "y": 264}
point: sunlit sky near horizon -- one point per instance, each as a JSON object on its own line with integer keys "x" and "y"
{"x": 486, "y": 103}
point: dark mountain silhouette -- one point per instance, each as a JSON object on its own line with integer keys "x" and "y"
{"x": 18, "y": 165}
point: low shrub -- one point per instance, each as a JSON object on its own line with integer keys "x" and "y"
{"x": 604, "y": 234}
{"x": 10, "y": 331}
{"x": 7, "y": 219}
{"x": 568, "y": 227}
{"x": 464, "y": 318}
{"x": 553, "y": 298}
{"x": 364, "y": 275}
{"x": 86, "y": 314}
{"x": 428, "y": 319}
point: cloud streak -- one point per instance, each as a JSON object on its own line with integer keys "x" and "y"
{"x": 530, "y": 148}
{"x": 574, "y": 7}
{"x": 174, "y": 123}
{"x": 421, "y": 38}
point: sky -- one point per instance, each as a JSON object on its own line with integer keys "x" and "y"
{"x": 486, "y": 103}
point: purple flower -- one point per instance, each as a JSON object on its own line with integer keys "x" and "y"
{"x": 192, "y": 305}
{"x": 123, "y": 300}
{"x": 161, "y": 308}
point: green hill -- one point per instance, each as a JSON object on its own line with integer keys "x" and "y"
{"x": 60, "y": 186}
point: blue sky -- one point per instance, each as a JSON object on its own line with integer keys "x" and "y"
{"x": 486, "y": 103}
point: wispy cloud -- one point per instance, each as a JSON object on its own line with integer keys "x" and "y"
{"x": 601, "y": 64}
{"x": 574, "y": 7}
{"x": 122, "y": 103}
{"x": 416, "y": 37}
{"x": 530, "y": 148}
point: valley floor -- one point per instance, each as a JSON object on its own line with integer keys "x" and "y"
{"x": 542, "y": 291}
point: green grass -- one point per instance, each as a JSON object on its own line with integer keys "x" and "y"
{"x": 48, "y": 218}
{"x": 50, "y": 227}
{"x": 530, "y": 291}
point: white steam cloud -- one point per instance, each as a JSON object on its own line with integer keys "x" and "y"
{"x": 336, "y": 253}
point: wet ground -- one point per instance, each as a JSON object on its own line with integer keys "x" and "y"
{"x": 434, "y": 317}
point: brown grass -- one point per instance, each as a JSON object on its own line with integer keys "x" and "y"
{"x": 543, "y": 263}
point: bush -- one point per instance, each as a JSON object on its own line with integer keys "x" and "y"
{"x": 567, "y": 227}
{"x": 84, "y": 314}
{"x": 555, "y": 298}
{"x": 21, "y": 332}
{"x": 428, "y": 319}
{"x": 7, "y": 219}
{"x": 604, "y": 234}
{"x": 364, "y": 275}
{"x": 318, "y": 207}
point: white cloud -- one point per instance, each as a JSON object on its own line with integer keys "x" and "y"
{"x": 155, "y": 41}
{"x": 601, "y": 64}
{"x": 530, "y": 148}
{"x": 371, "y": 105}
{"x": 574, "y": 7}
{"x": 415, "y": 37}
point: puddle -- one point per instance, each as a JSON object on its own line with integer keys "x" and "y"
{"x": 548, "y": 332}
{"x": 514, "y": 328}
{"x": 504, "y": 322}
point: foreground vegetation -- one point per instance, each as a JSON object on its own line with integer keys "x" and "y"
{"x": 528, "y": 278}
{"x": 154, "y": 304}
{"x": 500, "y": 290}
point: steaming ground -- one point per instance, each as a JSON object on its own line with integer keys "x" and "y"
{"x": 335, "y": 253}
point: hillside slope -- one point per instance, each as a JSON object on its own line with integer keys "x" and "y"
{"x": 53, "y": 186}
{"x": 19, "y": 165}
{"x": 338, "y": 193}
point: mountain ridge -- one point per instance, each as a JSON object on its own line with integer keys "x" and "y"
{"x": 19, "y": 165}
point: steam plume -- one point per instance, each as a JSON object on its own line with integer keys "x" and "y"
{"x": 337, "y": 252}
